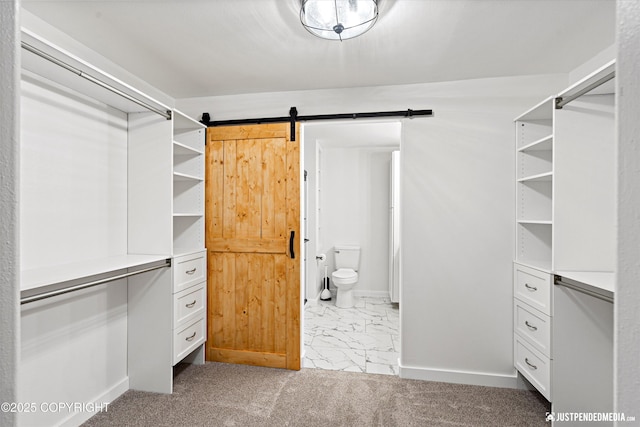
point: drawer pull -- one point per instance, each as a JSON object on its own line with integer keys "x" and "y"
{"x": 190, "y": 338}
{"x": 190, "y": 305}
{"x": 526, "y": 360}
{"x": 531, "y": 288}
{"x": 190, "y": 272}
{"x": 529, "y": 325}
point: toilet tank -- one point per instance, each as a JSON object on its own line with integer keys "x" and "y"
{"x": 347, "y": 256}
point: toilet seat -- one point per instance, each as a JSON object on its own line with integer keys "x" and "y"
{"x": 344, "y": 279}
{"x": 344, "y": 274}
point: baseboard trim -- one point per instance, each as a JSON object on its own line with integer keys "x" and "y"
{"x": 311, "y": 301}
{"x": 458, "y": 377}
{"x": 373, "y": 294}
{"x": 108, "y": 396}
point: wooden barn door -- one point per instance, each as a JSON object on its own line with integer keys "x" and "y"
{"x": 253, "y": 240}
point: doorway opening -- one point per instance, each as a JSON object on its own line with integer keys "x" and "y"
{"x": 349, "y": 201}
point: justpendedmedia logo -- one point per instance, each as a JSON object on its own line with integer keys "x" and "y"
{"x": 558, "y": 417}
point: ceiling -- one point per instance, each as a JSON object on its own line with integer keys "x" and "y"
{"x": 192, "y": 48}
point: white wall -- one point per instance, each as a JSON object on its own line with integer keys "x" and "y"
{"x": 457, "y": 199}
{"x": 366, "y": 143}
{"x": 355, "y": 211}
{"x": 592, "y": 64}
{"x": 74, "y": 178}
{"x": 9, "y": 216}
{"x": 361, "y": 141}
{"x": 73, "y": 349}
{"x": 457, "y": 244}
{"x": 627, "y": 316}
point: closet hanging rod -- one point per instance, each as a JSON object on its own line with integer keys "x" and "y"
{"x": 63, "y": 291}
{"x": 164, "y": 113}
{"x": 562, "y": 101}
{"x": 560, "y": 281}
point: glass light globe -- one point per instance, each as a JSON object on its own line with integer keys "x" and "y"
{"x": 338, "y": 19}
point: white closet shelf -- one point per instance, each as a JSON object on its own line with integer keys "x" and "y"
{"x": 547, "y": 176}
{"x": 188, "y": 214}
{"x": 543, "y": 144}
{"x": 186, "y": 177}
{"x": 182, "y": 122}
{"x": 40, "y": 278}
{"x": 534, "y": 221}
{"x": 181, "y": 149}
{"x": 541, "y": 111}
{"x": 603, "y": 280}
{"x": 83, "y": 77}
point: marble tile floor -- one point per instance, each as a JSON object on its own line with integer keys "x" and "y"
{"x": 364, "y": 338}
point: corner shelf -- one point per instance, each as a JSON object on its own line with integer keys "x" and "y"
{"x": 185, "y": 177}
{"x": 531, "y": 221}
{"x": 188, "y": 184}
{"x": 180, "y": 149}
{"x": 542, "y": 144}
{"x": 546, "y": 176}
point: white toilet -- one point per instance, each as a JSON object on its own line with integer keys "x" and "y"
{"x": 345, "y": 277}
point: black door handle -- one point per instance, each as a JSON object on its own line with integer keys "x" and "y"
{"x": 291, "y": 244}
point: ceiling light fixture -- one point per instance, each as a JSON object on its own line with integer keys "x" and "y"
{"x": 338, "y": 19}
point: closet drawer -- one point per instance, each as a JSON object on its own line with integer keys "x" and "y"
{"x": 187, "y": 339}
{"x": 533, "y": 365}
{"x": 189, "y": 270}
{"x": 533, "y": 287}
{"x": 189, "y": 304}
{"x": 534, "y": 326}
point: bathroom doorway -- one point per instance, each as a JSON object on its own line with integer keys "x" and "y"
{"x": 349, "y": 203}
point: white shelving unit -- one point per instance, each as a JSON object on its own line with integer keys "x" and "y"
{"x": 190, "y": 257}
{"x": 188, "y": 185}
{"x": 563, "y": 271}
{"x": 111, "y": 191}
{"x": 534, "y": 184}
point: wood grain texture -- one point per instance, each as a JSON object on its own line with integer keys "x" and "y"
{"x": 273, "y": 130}
{"x": 293, "y": 264}
{"x": 269, "y": 360}
{"x": 214, "y": 182}
{"x": 253, "y": 204}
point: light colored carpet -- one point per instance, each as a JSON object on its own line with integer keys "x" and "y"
{"x": 217, "y": 394}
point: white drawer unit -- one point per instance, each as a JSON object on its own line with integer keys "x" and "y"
{"x": 535, "y": 366}
{"x": 189, "y": 270}
{"x": 532, "y": 322}
{"x": 534, "y": 326}
{"x": 189, "y": 304}
{"x": 533, "y": 287}
{"x": 188, "y": 338}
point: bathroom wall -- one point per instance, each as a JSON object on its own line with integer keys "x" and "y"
{"x": 355, "y": 211}
{"x": 351, "y": 162}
